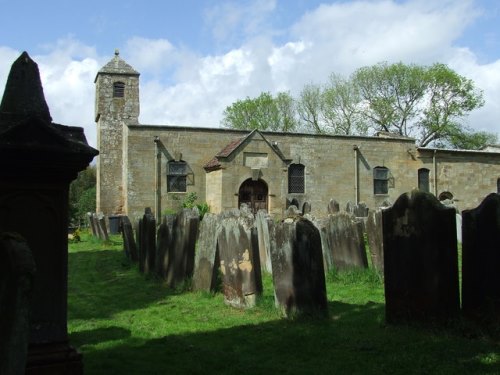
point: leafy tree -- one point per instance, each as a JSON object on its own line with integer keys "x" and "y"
{"x": 82, "y": 195}
{"x": 310, "y": 107}
{"x": 263, "y": 113}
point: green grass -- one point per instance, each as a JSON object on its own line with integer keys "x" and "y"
{"x": 127, "y": 323}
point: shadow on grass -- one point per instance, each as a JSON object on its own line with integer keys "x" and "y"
{"x": 92, "y": 272}
{"x": 352, "y": 340}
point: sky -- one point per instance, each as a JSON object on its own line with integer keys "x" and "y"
{"x": 196, "y": 57}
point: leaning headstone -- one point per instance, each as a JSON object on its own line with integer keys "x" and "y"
{"x": 129, "y": 244}
{"x": 90, "y": 217}
{"x": 333, "y": 207}
{"x": 164, "y": 240}
{"x": 180, "y": 264}
{"x": 207, "y": 260}
{"x": 38, "y": 160}
{"x": 306, "y": 208}
{"x": 17, "y": 269}
{"x": 262, "y": 222}
{"x": 420, "y": 260}
{"x": 375, "y": 239}
{"x": 321, "y": 224}
{"x": 239, "y": 259}
{"x": 298, "y": 273}
{"x": 102, "y": 228}
{"x": 481, "y": 260}
{"x": 345, "y": 241}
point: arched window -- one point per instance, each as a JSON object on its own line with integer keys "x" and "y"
{"x": 176, "y": 176}
{"x": 118, "y": 90}
{"x": 380, "y": 180}
{"x": 423, "y": 179}
{"x": 296, "y": 180}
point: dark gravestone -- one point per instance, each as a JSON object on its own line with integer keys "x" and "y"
{"x": 17, "y": 269}
{"x": 481, "y": 260}
{"x": 292, "y": 202}
{"x": 38, "y": 160}
{"x": 262, "y": 222}
{"x": 93, "y": 229}
{"x": 375, "y": 239}
{"x": 207, "y": 261}
{"x": 147, "y": 253}
{"x": 333, "y": 207}
{"x": 298, "y": 273}
{"x": 129, "y": 245}
{"x": 345, "y": 241}
{"x": 164, "y": 239}
{"x": 180, "y": 263}
{"x": 306, "y": 208}
{"x": 420, "y": 260}
{"x": 239, "y": 259}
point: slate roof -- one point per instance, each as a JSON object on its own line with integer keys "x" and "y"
{"x": 118, "y": 66}
{"x": 214, "y": 163}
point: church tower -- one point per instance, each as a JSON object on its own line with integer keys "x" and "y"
{"x": 116, "y": 106}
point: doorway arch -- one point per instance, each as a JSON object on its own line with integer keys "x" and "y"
{"x": 254, "y": 193}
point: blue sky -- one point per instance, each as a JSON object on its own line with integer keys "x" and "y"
{"x": 197, "y": 57}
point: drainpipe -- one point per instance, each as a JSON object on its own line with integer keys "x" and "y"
{"x": 356, "y": 175}
{"x": 434, "y": 163}
{"x": 157, "y": 180}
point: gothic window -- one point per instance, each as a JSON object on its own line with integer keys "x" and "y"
{"x": 423, "y": 179}
{"x": 118, "y": 90}
{"x": 380, "y": 180}
{"x": 176, "y": 176}
{"x": 296, "y": 180}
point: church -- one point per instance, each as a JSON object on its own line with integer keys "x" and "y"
{"x": 157, "y": 166}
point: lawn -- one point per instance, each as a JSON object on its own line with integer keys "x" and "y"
{"x": 128, "y": 323}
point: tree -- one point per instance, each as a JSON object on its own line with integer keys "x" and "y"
{"x": 82, "y": 195}
{"x": 263, "y": 113}
{"x": 309, "y": 108}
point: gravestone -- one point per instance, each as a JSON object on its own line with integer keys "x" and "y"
{"x": 129, "y": 245}
{"x": 292, "y": 202}
{"x": 262, "y": 222}
{"x": 420, "y": 260}
{"x": 38, "y": 160}
{"x": 349, "y": 207}
{"x": 481, "y": 260}
{"x": 207, "y": 260}
{"x": 90, "y": 216}
{"x": 333, "y": 207}
{"x": 17, "y": 269}
{"x": 101, "y": 227}
{"x": 180, "y": 262}
{"x": 292, "y": 212}
{"x": 164, "y": 238}
{"x": 239, "y": 259}
{"x": 375, "y": 239}
{"x": 306, "y": 208}
{"x": 147, "y": 252}
{"x": 298, "y": 273}
{"x": 360, "y": 210}
{"x": 345, "y": 241}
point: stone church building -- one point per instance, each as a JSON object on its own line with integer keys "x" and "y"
{"x": 155, "y": 166}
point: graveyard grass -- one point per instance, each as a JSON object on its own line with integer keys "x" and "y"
{"x": 127, "y": 323}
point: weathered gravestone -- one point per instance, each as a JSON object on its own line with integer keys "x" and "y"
{"x": 375, "y": 239}
{"x": 17, "y": 269}
{"x": 298, "y": 273}
{"x": 93, "y": 229}
{"x": 333, "y": 207}
{"x": 349, "y": 207}
{"x": 345, "y": 241}
{"x": 129, "y": 245}
{"x": 306, "y": 208}
{"x": 360, "y": 210}
{"x": 481, "y": 260}
{"x": 38, "y": 160}
{"x": 207, "y": 259}
{"x": 420, "y": 260}
{"x": 292, "y": 202}
{"x": 101, "y": 226}
{"x": 180, "y": 253}
{"x": 147, "y": 247}
{"x": 262, "y": 222}
{"x": 239, "y": 259}
{"x": 292, "y": 212}
{"x": 164, "y": 239}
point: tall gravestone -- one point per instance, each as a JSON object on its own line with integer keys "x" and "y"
{"x": 239, "y": 259}
{"x": 333, "y": 207}
{"x": 38, "y": 160}
{"x": 375, "y": 239}
{"x": 207, "y": 260}
{"x": 420, "y": 260}
{"x": 481, "y": 260}
{"x": 298, "y": 273}
{"x": 17, "y": 269}
{"x": 262, "y": 222}
{"x": 129, "y": 245}
{"x": 147, "y": 237}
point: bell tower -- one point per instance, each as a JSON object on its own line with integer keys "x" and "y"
{"x": 116, "y": 107}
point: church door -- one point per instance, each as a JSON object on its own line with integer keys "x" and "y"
{"x": 254, "y": 194}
